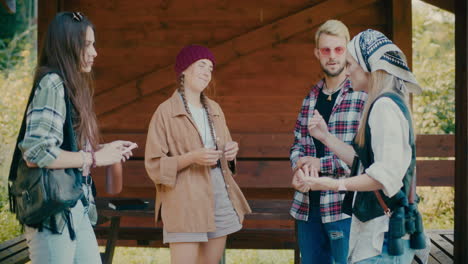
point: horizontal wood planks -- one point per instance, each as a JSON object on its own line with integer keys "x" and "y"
{"x": 442, "y": 246}
{"x": 263, "y": 164}
{"x": 243, "y": 239}
{"x": 277, "y": 174}
{"x": 264, "y": 52}
{"x": 14, "y": 250}
{"x": 137, "y": 45}
{"x": 276, "y": 145}
{"x": 268, "y": 226}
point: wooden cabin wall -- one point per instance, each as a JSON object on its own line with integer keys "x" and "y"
{"x": 266, "y": 67}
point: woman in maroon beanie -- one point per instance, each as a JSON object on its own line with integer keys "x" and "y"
{"x": 190, "y": 156}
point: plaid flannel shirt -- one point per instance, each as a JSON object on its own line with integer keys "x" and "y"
{"x": 343, "y": 123}
{"x": 44, "y": 122}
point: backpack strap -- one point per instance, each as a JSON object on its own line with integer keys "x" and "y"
{"x": 412, "y": 189}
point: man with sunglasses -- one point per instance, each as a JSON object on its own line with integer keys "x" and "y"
{"x": 323, "y": 229}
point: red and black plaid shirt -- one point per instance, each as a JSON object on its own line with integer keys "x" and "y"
{"x": 343, "y": 123}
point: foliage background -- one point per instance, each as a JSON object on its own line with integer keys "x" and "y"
{"x": 434, "y": 67}
{"x": 434, "y": 113}
{"x": 17, "y": 60}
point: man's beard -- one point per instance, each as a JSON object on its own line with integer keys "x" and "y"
{"x": 330, "y": 74}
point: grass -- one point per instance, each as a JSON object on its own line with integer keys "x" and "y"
{"x": 437, "y": 207}
{"x": 233, "y": 256}
{"x": 10, "y": 227}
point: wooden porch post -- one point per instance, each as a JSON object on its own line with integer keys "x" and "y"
{"x": 461, "y": 135}
{"x": 402, "y": 28}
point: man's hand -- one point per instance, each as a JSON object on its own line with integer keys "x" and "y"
{"x": 298, "y": 181}
{"x": 318, "y": 128}
{"x": 310, "y": 162}
{"x": 311, "y": 178}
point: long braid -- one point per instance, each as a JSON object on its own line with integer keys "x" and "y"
{"x": 210, "y": 120}
{"x": 182, "y": 94}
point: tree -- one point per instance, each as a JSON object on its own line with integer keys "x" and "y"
{"x": 434, "y": 67}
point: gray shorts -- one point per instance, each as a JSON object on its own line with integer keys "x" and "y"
{"x": 226, "y": 219}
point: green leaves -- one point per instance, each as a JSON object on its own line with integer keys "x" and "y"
{"x": 434, "y": 67}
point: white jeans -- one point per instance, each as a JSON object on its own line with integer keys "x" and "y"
{"x": 48, "y": 248}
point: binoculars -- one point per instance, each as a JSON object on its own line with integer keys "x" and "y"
{"x": 405, "y": 220}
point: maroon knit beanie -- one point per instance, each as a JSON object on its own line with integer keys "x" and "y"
{"x": 191, "y": 54}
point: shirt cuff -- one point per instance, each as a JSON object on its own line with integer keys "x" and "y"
{"x": 168, "y": 171}
{"x": 386, "y": 178}
{"x": 49, "y": 156}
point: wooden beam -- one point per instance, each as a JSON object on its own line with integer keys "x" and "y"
{"x": 402, "y": 28}
{"x": 263, "y": 174}
{"x": 268, "y": 35}
{"x": 435, "y": 146}
{"x": 461, "y": 132}
{"x": 277, "y": 145}
{"x": 243, "y": 239}
{"x": 447, "y": 5}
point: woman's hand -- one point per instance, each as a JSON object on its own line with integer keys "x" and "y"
{"x": 205, "y": 156}
{"x": 108, "y": 154}
{"x": 317, "y": 127}
{"x": 316, "y": 183}
{"x": 311, "y": 177}
{"x": 114, "y": 152}
{"x": 122, "y": 144}
{"x": 230, "y": 150}
{"x": 126, "y": 147}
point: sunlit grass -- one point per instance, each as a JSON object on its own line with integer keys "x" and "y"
{"x": 124, "y": 255}
{"x": 437, "y": 207}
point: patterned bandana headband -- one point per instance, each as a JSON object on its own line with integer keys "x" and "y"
{"x": 374, "y": 51}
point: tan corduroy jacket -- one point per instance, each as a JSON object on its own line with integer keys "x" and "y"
{"x": 186, "y": 197}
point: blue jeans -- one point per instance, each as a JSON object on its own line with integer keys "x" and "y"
{"x": 385, "y": 258}
{"x": 323, "y": 242}
{"x": 45, "y": 247}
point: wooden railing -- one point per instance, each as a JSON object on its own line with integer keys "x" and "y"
{"x": 264, "y": 169}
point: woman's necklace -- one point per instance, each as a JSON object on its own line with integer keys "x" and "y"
{"x": 324, "y": 89}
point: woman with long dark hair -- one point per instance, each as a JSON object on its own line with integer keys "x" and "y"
{"x": 63, "y": 89}
{"x": 190, "y": 157}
